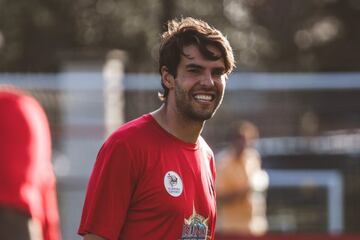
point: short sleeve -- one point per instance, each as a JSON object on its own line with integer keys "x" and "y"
{"x": 109, "y": 191}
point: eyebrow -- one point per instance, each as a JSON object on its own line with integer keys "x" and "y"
{"x": 221, "y": 69}
{"x": 193, "y": 65}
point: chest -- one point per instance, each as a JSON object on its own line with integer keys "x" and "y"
{"x": 177, "y": 183}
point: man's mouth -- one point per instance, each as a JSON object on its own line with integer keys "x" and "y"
{"x": 204, "y": 97}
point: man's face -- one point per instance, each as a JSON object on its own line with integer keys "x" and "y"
{"x": 199, "y": 84}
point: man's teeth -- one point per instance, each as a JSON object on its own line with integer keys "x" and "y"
{"x": 203, "y": 97}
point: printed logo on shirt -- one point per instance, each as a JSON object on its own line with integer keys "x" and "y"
{"x": 195, "y": 227}
{"x": 173, "y": 183}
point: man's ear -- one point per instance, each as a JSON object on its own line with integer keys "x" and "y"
{"x": 167, "y": 77}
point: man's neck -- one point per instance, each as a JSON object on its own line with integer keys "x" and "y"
{"x": 177, "y": 125}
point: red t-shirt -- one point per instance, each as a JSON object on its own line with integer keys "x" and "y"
{"x": 27, "y": 181}
{"x": 147, "y": 184}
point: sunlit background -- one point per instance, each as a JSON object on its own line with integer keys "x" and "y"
{"x": 92, "y": 65}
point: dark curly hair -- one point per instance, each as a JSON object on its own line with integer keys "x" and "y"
{"x": 187, "y": 31}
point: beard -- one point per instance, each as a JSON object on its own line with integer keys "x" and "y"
{"x": 187, "y": 106}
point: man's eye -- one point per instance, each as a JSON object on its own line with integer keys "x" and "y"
{"x": 194, "y": 70}
{"x": 218, "y": 73}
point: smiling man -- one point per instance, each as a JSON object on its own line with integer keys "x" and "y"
{"x": 154, "y": 177}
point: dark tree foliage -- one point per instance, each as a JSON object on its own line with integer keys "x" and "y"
{"x": 267, "y": 35}
{"x": 310, "y": 35}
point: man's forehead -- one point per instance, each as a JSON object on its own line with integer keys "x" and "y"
{"x": 191, "y": 50}
{"x": 192, "y": 53}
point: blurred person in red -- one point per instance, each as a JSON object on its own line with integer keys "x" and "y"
{"x": 154, "y": 176}
{"x": 241, "y": 184}
{"x": 28, "y": 204}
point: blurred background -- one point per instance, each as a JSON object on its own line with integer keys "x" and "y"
{"x": 92, "y": 65}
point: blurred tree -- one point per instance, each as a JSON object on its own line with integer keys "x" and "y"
{"x": 267, "y": 35}
{"x": 31, "y": 32}
{"x": 290, "y": 35}
{"x": 167, "y": 12}
{"x": 34, "y": 34}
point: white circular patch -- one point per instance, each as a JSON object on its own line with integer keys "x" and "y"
{"x": 173, "y": 183}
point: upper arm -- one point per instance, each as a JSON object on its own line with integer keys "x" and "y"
{"x": 109, "y": 192}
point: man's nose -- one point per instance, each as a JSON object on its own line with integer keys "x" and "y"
{"x": 207, "y": 79}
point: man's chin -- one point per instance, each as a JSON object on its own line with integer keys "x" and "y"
{"x": 203, "y": 116}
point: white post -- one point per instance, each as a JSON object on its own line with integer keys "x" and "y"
{"x": 113, "y": 74}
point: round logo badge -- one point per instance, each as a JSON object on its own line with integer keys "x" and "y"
{"x": 173, "y": 183}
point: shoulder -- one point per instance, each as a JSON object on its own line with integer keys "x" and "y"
{"x": 210, "y": 159}
{"x": 205, "y": 147}
{"x": 23, "y": 111}
{"x": 15, "y": 99}
{"x": 133, "y": 132}
{"x": 121, "y": 148}
{"x": 130, "y": 141}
